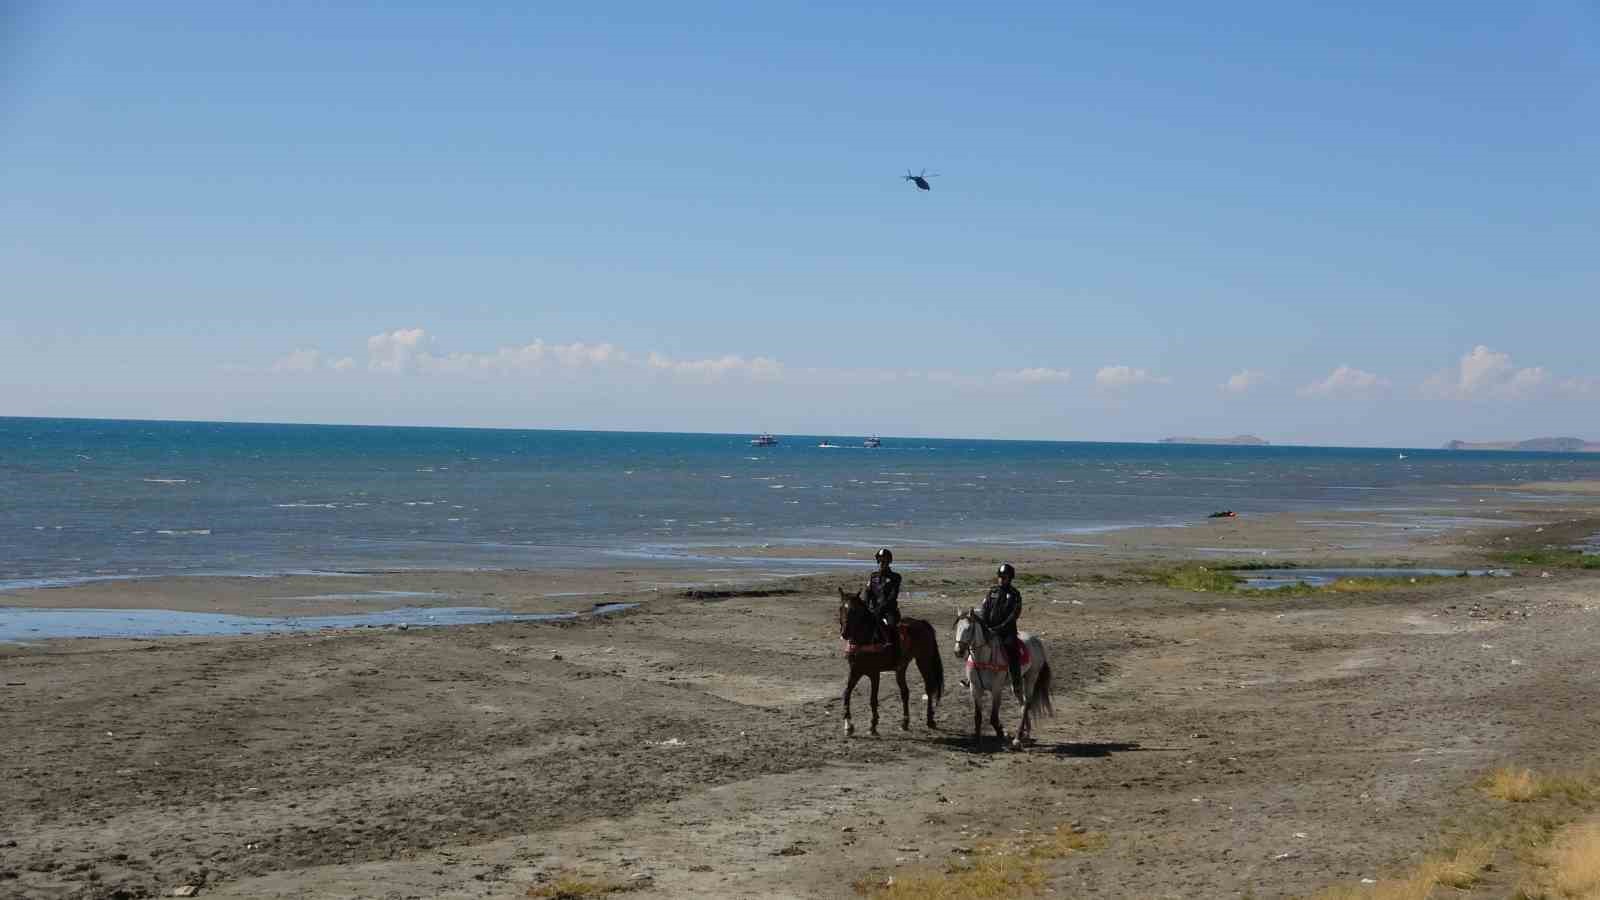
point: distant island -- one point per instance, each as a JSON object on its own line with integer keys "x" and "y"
{"x": 1238, "y": 440}
{"x": 1546, "y": 444}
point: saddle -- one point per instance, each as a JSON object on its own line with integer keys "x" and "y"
{"x": 850, "y": 649}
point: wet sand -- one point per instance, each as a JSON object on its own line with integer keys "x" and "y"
{"x": 693, "y": 746}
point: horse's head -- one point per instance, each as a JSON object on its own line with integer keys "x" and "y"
{"x": 852, "y": 611}
{"x": 970, "y": 632}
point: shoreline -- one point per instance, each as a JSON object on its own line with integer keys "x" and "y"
{"x": 692, "y": 745}
{"x": 752, "y": 554}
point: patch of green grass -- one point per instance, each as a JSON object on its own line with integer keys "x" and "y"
{"x": 1026, "y": 578}
{"x": 1199, "y": 578}
{"x": 1252, "y": 565}
{"x": 1550, "y": 558}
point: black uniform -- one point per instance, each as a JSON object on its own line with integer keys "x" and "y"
{"x": 883, "y": 598}
{"x": 999, "y": 612}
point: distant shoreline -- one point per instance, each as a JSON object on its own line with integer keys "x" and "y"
{"x": 1238, "y": 440}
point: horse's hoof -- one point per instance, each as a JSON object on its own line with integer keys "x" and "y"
{"x": 906, "y": 725}
{"x": 1016, "y": 744}
{"x": 849, "y": 729}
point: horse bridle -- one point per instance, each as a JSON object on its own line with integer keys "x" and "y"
{"x": 983, "y": 633}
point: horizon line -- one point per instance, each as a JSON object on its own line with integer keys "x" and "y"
{"x": 1218, "y": 442}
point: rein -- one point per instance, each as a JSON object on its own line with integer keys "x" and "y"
{"x": 848, "y": 617}
{"x": 979, "y": 665}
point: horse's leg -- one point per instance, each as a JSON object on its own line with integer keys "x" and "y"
{"x": 975, "y": 690}
{"x": 849, "y": 686}
{"x": 874, "y": 677}
{"x": 905, "y": 696}
{"x": 994, "y": 707}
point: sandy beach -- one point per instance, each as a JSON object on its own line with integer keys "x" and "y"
{"x": 1205, "y": 743}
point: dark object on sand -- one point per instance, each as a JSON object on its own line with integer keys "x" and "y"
{"x": 920, "y": 179}
{"x": 1225, "y": 514}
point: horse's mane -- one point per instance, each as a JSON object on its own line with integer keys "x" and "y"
{"x": 855, "y": 619}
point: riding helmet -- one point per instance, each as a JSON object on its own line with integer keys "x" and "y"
{"x": 884, "y": 554}
{"x": 1006, "y": 569}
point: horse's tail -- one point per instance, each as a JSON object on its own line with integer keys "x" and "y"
{"x": 931, "y": 665}
{"x": 1040, "y": 701}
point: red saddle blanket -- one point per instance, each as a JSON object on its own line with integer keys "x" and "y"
{"x": 851, "y": 647}
{"x": 1017, "y": 647}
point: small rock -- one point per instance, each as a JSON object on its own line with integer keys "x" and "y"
{"x": 555, "y": 656}
{"x": 187, "y": 890}
{"x": 848, "y": 829}
{"x": 404, "y": 626}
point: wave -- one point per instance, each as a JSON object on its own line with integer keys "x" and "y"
{"x": 165, "y": 480}
{"x": 183, "y": 531}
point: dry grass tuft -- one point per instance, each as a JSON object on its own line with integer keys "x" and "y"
{"x": 1575, "y": 861}
{"x": 1515, "y": 785}
{"x": 987, "y": 877}
{"x": 1512, "y": 785}
{"x": 1065, "y": 842}
{"x": 1460, "y": 870}
{"x": 568, "y": 886}
{"x": 1014, "y": 869}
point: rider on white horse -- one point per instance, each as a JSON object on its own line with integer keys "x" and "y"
{"x": 883, "y": 596}
{"x": 999, "y": 613}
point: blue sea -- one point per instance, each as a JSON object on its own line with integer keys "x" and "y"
{"x": 92, "y": 499}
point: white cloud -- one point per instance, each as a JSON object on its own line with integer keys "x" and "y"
{"x": 1582, "y": 386}
{"x": 1485, "y": 373}
{"x": 1035, "y": 375}
{"x": 713, "y": 369}
{"x": 1120, "y": 377}
{"x": 397, "y": 351}
{"x": 299, "y": 361}
{"x": 1343, "y": 382}
{"x": 1241, "y": 382}
{"x": 532, "y": 357}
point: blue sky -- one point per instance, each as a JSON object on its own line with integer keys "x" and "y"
{"x": 1370, "y": 224}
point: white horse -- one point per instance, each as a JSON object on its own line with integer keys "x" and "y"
{"x": 987, "y": 671}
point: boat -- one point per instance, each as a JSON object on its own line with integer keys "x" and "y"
{"x": 827, "y": 446}
{"x": 764, "y": 440}
{"x": 872, "y": 443}
{"x": 1402, "y": 456}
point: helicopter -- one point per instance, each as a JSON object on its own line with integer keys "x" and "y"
{"x": 920, "y": 179}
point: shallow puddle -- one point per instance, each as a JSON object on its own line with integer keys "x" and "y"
{"x": 1268, "y": 579}
{"x": 34, "y": 624}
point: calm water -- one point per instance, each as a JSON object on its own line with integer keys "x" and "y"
{"x": 114, "y": 499}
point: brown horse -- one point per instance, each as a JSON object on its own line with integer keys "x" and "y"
{"x": 869, "y": 656}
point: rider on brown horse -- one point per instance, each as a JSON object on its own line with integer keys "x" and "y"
{"x": 999, "y": 613}
{"x": 883, "y": 597}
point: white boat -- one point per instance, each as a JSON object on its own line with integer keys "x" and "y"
{"x": 827, "y": 446}
{"x": 872, "y": 442}
{"x": 1402, "y": 456}
{"x": 764, "y": 440}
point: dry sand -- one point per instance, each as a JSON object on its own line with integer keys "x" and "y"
{"x": 1222, "y": 744}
